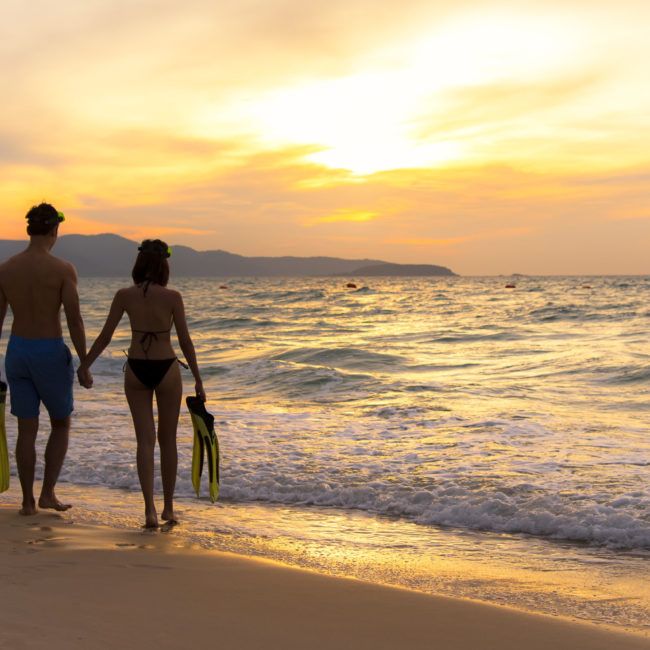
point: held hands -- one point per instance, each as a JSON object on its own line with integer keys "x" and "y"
{"x": 200, "y": 393}
{"x": 84, "y": 376}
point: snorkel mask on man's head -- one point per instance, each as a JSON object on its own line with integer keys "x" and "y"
{"x": 43, "y": 219}
{"x": 156, "y": 247}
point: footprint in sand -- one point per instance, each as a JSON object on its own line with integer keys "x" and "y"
{"x": 47, "y": 540}
{"x": 151, "y": 566}
{"x": 130, "y": 545}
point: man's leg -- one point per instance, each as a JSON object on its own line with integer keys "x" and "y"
{"x": 55, "y": 451}
{"x": 26, "y": 461}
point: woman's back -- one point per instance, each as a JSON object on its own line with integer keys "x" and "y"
{"x": 151, "y": 314}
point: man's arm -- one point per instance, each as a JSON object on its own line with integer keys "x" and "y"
{"x": 112, "y": 321}
{"x": 70, "y": 300}
{"x": 3, "y": 309}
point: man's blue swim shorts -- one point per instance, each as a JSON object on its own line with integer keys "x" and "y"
{"x": 39, "y": 370}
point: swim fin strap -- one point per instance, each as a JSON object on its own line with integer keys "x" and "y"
{"x": 205, "y": 445}
{"x": 4, "y": 454}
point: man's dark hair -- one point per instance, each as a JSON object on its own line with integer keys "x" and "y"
{"x": 42, "y": 219}
{"x": 151, "y": 265}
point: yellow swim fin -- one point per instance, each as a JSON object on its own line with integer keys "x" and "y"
{"x": 197, "y": 457}
{"x": 205, "y": 444}
{"x": 4, "y": 454}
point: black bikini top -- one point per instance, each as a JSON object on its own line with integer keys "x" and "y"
{"x": 148, "y": 337}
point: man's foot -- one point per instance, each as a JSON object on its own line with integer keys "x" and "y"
{"x": 52, "y": 503}
{"x": 28, "y": 509}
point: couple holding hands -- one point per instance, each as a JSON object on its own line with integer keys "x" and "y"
{"x": 39, "y": 368}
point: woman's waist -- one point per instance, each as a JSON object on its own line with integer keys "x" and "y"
{"x": 155, "y": 351}
{"x": 152, "y": 335}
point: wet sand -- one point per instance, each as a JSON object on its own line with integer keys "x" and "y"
{"x": 67, "y": 586}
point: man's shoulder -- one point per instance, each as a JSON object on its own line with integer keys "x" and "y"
{"x": 63, "y": 265}
{"x": 12, "y": 260}
{"x": 6, "y": 266}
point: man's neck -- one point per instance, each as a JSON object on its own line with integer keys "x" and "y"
{"x": 39, "y": 244}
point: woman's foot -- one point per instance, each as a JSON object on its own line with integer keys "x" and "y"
{"x": 168, "y": 515}
{"x": 150, "y": 520}
{"x": 168, "y": 526}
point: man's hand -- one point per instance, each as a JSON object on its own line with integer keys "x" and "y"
{"x": 85, "y": 378}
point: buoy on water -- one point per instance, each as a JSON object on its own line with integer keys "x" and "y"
{"x": 511, "y": 286}
{"x": 351, "y": 285}
{"x": 223, "y": 286}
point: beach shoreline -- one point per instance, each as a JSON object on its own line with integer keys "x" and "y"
{"x": 545, "y": 577}
{"x": 76, "y": 585}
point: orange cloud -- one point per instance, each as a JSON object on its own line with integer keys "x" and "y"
{"x": 345, "y": 215}
{"x": 427, "y": 241}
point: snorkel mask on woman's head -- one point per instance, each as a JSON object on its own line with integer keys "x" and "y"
{"x": 155, "y": 246}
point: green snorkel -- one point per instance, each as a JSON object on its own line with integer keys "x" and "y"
{"x": 155, "y": 246}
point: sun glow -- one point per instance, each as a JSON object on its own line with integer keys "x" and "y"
{"x": 360, "y": 123}
{"x": 371, "y": 121}
{"x": 344, "y": 215}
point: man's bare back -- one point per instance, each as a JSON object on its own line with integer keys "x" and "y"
{"x": 39, "y": 369}
{"x": 35, "y": 285}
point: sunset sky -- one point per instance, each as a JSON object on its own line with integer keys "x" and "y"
{"x": 491, "y": 137}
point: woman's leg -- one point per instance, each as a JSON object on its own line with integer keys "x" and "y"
{"x": 168, "y": 396}
{"x": 140, "y": 399}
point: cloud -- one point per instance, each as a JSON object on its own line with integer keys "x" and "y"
{"x": 493, "y": 105}
{"x": 475, "y": 219}
{"x": 133, "y": 118}
{"x": 429, "y": 242}
{"x": 344, "y": 215}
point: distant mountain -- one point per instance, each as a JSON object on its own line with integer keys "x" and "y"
{"x": 113, "y": 256}
{"x": 389, "y": 269}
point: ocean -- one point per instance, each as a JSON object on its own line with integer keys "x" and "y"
{"x": 449, "y": 435}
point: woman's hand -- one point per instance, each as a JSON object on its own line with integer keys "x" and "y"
{"x": 84, "y": 377}
{"x": 199, "y": 390}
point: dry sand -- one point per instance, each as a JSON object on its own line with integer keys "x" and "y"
{"x": 69, "y": 586}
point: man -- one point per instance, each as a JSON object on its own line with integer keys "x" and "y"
{"x": 38, "y": 364}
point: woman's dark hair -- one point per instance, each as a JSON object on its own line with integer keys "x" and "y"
{"x": 42, "y": 219}
{"x": 151, "y": 265}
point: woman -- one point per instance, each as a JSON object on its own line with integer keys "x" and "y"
{"x": 151, "y": 368}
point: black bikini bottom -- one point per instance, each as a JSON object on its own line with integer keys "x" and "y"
{"x": 150, "y": 371}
